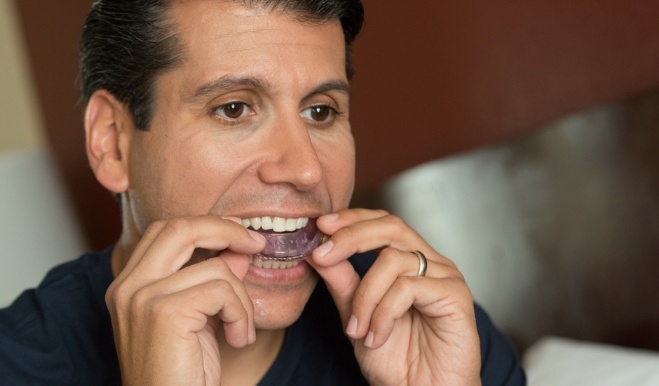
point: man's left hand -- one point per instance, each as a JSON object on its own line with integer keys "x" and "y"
{"x": 407, "y": 329}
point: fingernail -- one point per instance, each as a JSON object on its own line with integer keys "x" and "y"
{"x": 234, "y": 219}
{"x": 331, "y": 217}
{"x": 252, "y": 335}
{"x": 323, "y": 249}
{"x": 351, "y": 329}
{"x": 369, "y": 339}
{"x": 256, "y": 235}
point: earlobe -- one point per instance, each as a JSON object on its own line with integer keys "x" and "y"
{"x": 107, "y": 134}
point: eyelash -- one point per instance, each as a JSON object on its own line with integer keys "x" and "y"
{"x": 332, "y": 114}
{"x": 216, "y": 111}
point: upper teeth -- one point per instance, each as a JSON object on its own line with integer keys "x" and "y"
{"x": 277, "y": 224}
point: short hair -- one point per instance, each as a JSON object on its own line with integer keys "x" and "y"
{"x": 125, "y": 44}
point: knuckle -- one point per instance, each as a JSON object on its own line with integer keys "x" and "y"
{"x": 219, "y": 289}
{"x": 458, "y": 286}
{"x": 217, "y": 264}
{"x": 381, "y": 312}
{"x": 454, "y": 274}
{"x": 111, "y": 298}
{"x": 460, "y": 277}
{"x": 159, "y": 308}
{"x": 404, "y": 284}
{"x": 117, "y": 296}
{"x": 389, "y": 256}
{"x": 177, "y": 226}
{"x": 154, "y": 228}
{"x": 347, "y": 233}
{"x": 141, "y": 299}
{"x": 221, "y": 286}
{"x": 394, "y": 221}
{"x": 360, "y": 299}
{"x": 381, "y": 212}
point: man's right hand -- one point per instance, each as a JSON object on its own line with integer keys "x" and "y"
{"x": 165, "y": 316}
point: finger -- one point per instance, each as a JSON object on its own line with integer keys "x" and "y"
{"x": 331, "y": 222}
{"x": 214, "y": 268}
{"x": 188, "y": 311}
{"x": 342, "y": 280}
{"x": 178, "y": 238}
{"x": 210, "y": 270}
{"x": 369, "y": 234}
{"x": 389, "y": 267}
{"x": 151, "y": 232}
{"x": 446, "y": 299}
{"x": 160, "y": 229}
{"x": 238, "y": 263}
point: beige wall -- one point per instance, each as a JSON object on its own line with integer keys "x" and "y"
{"x": 33, "y": 202}
{"x": 20, "y": 122}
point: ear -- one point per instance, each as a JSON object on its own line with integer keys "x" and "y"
{"x": 108, "y": 129}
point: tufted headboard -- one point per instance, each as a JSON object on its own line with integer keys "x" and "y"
{"x": 557, "y": 232}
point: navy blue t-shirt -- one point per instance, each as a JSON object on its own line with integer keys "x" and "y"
{"x": 60, "y": 334}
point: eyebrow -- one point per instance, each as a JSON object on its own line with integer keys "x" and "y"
{"x": 226, "y": 83}
{"x": 336, "y": 85}
{"x": 229, "y": 82}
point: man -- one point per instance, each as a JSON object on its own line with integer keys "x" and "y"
{"x": 223, "y": 126}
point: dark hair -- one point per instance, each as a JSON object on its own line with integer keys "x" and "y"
{"x": 125, "y": 44}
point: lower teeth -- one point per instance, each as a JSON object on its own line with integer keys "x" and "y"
{"x": 273, "y": 264}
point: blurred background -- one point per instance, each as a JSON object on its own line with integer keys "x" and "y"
{"x": 520, "y": 138}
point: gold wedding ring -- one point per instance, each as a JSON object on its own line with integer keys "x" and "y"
{"x": 423, "y": 263}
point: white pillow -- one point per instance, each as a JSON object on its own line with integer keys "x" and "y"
{"x": 556, "y": 361}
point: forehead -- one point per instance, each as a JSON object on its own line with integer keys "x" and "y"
{"x": 224, "y": 36}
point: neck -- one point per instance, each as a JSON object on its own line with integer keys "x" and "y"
{"x": 127, "y": 242}
{"x": 248, "y": 365}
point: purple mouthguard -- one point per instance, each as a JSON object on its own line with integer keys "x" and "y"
{"x": 287, "y": 246}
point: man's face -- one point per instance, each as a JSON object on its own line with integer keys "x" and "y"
{"x": 253, "y": 123}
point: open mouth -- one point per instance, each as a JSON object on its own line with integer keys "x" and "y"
{"x": 287, "y": 240}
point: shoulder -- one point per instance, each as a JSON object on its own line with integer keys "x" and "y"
{"x": 63, "y": 285}
{"x": 89, "y": 270}
{"x": 69, "y": 290}
{"x": 50, "y": 332}
{"x": 499, "y": 360}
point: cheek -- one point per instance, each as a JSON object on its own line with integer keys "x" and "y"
{"x": 340, "y": 175}
{"x": 145, "y": 180}
{"x": 183, "y": 180}
{"x": 201, "y": 178}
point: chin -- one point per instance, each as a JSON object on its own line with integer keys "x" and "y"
{"x": 276, "y": 309}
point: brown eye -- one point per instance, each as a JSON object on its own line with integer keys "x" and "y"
{"x": 233, "y": 110}
{"x": 319, "y": 113}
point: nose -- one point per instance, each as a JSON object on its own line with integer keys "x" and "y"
{"x": 292, "y": 157}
